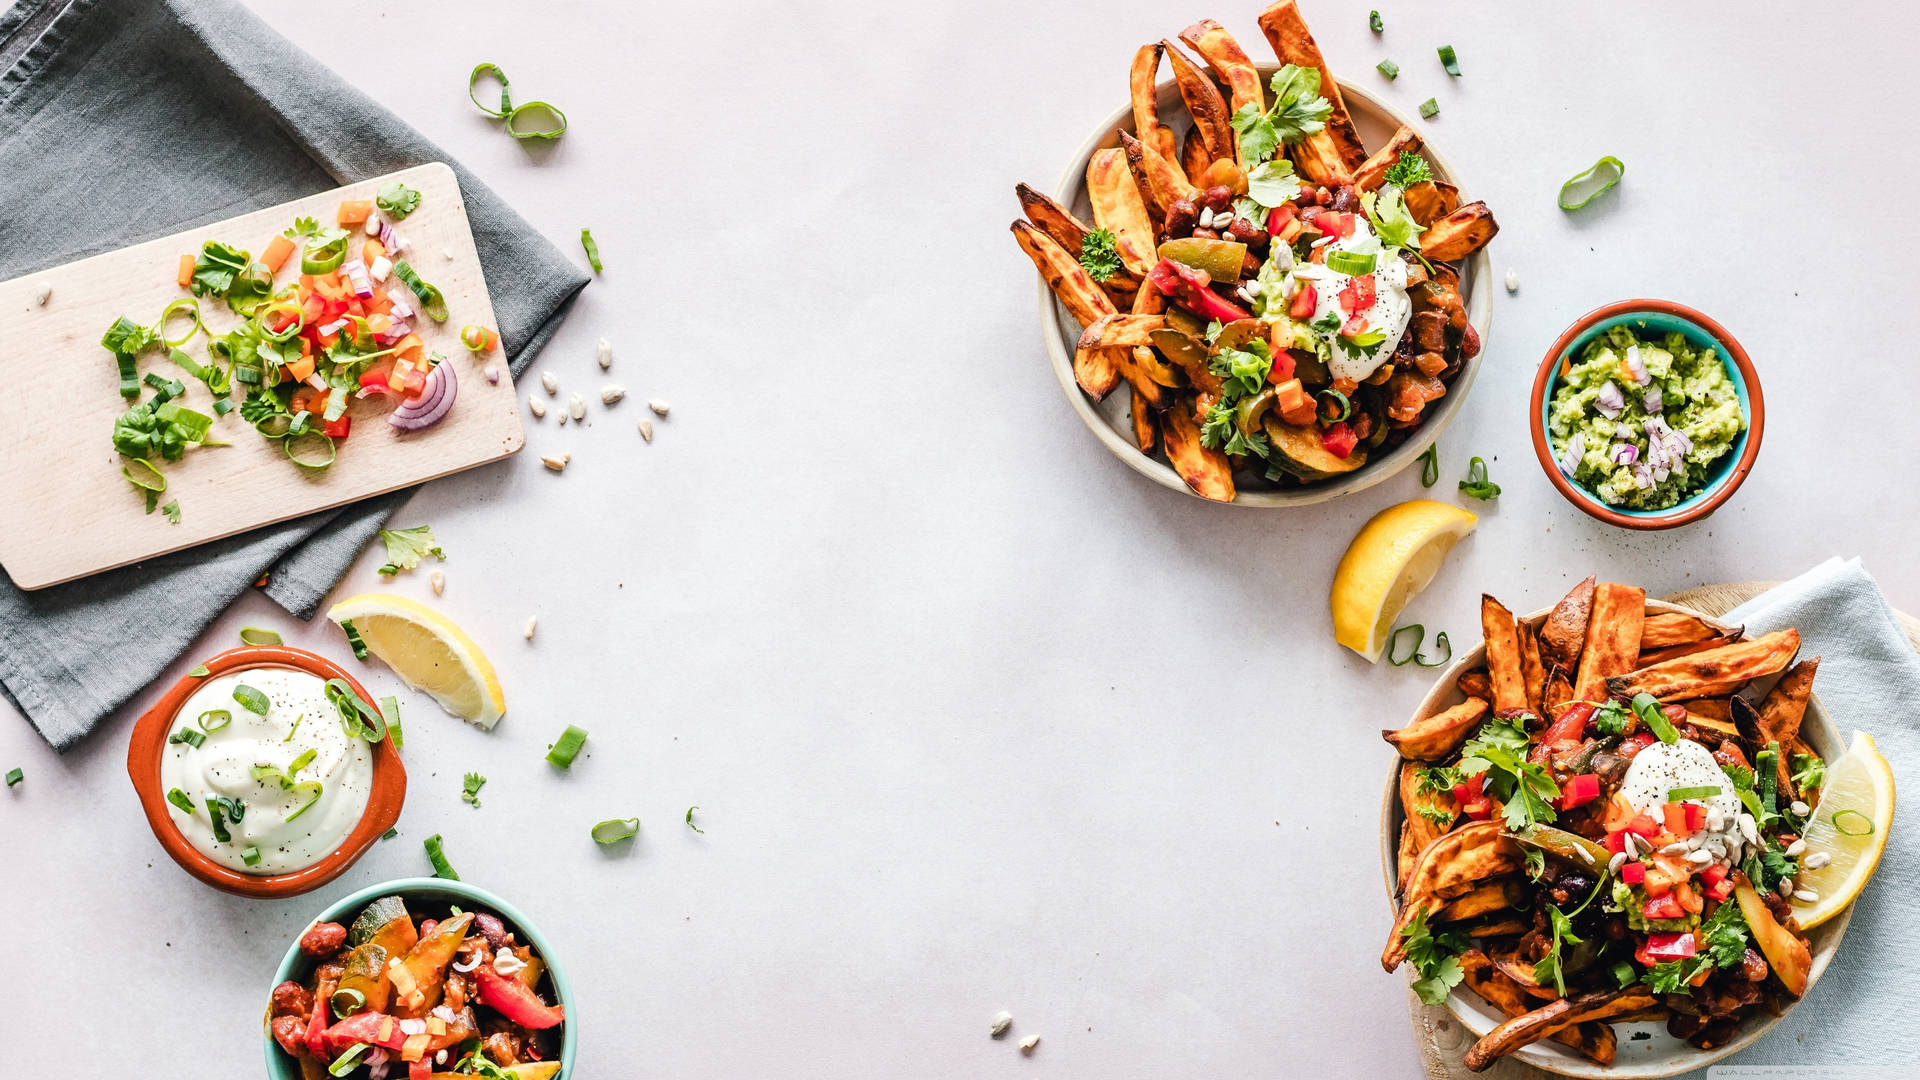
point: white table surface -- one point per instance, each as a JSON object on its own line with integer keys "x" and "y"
{"x": 976, "y": 717}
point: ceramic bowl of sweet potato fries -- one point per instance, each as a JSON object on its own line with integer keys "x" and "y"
{"x": 1592, "y": 833}
{"x": 1240, "y": 300}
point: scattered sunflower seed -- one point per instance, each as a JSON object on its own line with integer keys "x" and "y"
{"x": 658, "y": 406}
{"x": 527, "y": 631}
{"x": 1794, "y": 849}
{"x": 1001, "y": 1021}
{"x": 1513, "y": 280}
{"x": 438, "y": 580}
{"x": 1817, "y": 860}
{"x": 43, "y": 293}
{"x": 562, "y": 416}
{"x": 610, "y": 394}
{"x": 646, "y": 429}
{"x": 577, "y": 406}
{"x": 1800, "y": 809}
{"x": 537, "y": 406}
{"x": 556, "y": 462}
{"x": 1785, "y": 888}
{"x": 551, "y": 383}
{"x": 1806, "y": 896}
{"x": 1027, "y": 1044}
{"x": 447, "y": 254}
{"x": 603, "y": 352}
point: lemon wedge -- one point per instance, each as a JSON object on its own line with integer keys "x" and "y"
{"x": 1394, "y": 556}
{"x": 428, "y": 652}
{"x": 1849, "y": 827}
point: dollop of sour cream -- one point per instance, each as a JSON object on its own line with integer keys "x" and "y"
{"x": 1378, "y": 305}
{"x": 1661, "y": 768}
{"x": 298, "y": 718}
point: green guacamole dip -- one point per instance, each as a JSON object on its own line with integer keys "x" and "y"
{"x": 1600, "y": 407}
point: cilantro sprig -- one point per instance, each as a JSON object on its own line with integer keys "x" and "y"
{"x": 1298, "y": 111}
{"x": 406, "y": 547}
{"x": 1436, "y": 957}
{"x": 1723, "y": 943}
{"x": 1525, "y": 788}
{"x": 1549, "y": 965}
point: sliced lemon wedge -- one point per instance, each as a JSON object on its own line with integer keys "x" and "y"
{"x": 429, "y": 653}
{"x": 1394, "y": 556}
{"x": 1850, "y": 828}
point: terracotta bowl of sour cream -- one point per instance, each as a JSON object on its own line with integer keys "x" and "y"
{"x": 251, "y": 778}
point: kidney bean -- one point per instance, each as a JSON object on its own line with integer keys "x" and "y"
{"x": 1249, "y": 233}
{"x": 1181, "y": 216}
{"x": 1217, "y": 198}
{"x": 1250, "y": 265}
{"x": 1205, "y": 234}
{"x": 291, "y": 999}
{"x": 491, "y": 928}
{"x": 291, "y": 1034}
{"x": 324, "y": 939}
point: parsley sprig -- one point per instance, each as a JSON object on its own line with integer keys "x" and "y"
{"x": 1099, "y": 257}
{"x": 1408, "y": 169}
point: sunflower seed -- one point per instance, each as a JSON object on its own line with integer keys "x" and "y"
{"x": 527, "y": 631}
{"x": 1027, "y": 1044}
{"x": 44, "y": 293}
{"x": 556, "y": 462}
{"x": 1716, "y": 821}
{"x": 447, "y": 254}
{"x": 1806, "y": 896}
{"x": 1585, "y": 855}
{"x": 1817, "y": 860}
{"x": 562, "y": 415}
{"x": 646, "y": 429}
{"x": 577, "y": 406}
{"x": 603, "y": 352}
{"x": 1228, "y": 236}
{"x": 373, "y": 224}
{"x": 438, "y": 580}
{"x": 1785, "y": 888}
{"x": 551, "y": 383}
{"x": 537, "y": 406}
{"x": 1614, "y": 864}
{"x": 1205, "y": 220}
{"x": 1679, "y": 848}
{"x": 1799, "y": 808}
{"x": 1700, "y": 858}
{"x": 1794, "y": 849}
{"x": 1749, "y": 830}
{"x": 1001, "y": 1021}
{"x": 612, "y": 393}
{"x": 658, "y": 406}
{"x": 1513, "y": 280}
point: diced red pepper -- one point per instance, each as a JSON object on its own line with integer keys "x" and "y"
{"x": 1282, "y": 369}
{"x": 1358, "y": 296}
{"x": 379, "y": 1029}
{"x": 1663, "y": 907}
{"x": 1304, "y": 302}
{"x": 1339, "y": 440}
{"x": 1188, "y": 287}
{"x": 1712, "y": 874}
{"x": 337, "y": 429}
{"x": 1696, "y": 816}
{"x": 1671, "y": 946}
{"x": 1278, "y": 217}
{"x": 513, "y": 1000}
{"x": 1616, "y": 842}
{"x": 1334, "y": 223}
{"x": 1721, "y": 889}
{"x": 1642, "y": 825}
{"x": 1633, "y": 873}
{"x": 1579, "y": 790}
{"x": 1478, "y": 811}
{"x": 1469, "y": 790}
{"x": 420, "y": 1070}
{"x": 1569, "y": 726}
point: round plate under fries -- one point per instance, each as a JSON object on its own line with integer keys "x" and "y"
{"x": 1659, "y": 1054}
{"x": 1376, "y": 122}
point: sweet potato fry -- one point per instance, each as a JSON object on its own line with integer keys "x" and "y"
{"x": 1533, "y": 670}
{"x": 1051, "y": 218}
{"x": 1159, "y": 179}
{"x": 1229, "y": 64}
{"x": 1650, "y": 657}
{"x": 1146, "y": 423}
{"x": 1503, "y": 657}
{"x": 1594, "y": 1041}
{"x": 1128, "y": 363}
{"x": 1141, "y": 80}
{"x": 1118, "y": 208}
{"x": 1511, "y": 926}
{"x": 1433, "y": 737}
{"x": 1475, "y": 684}
{"x": 1097, "y": 370}
{"x": 1558, "y": 693}
{"x": 1063, "y": 275}
{"x": 1786, "y": 704}
{"x": 1449, "y": 867}
{"x": 1483, "y": 899}
{"x": 1206, "y": 471}
{"x": 1431, "y": 200}
{"x": 1553, "y": 1017}
{"x": 1193, "y": 154}
{"x": 1688, "y": 676}
{"x": 1459, "y": 234}
{"x": 1613, "y": 639}
{"x": 1719, "y": 710}
{"x": 1373, "y": 171}
{"x": 1564, "y": 634}
{"x": 1209, "y": 109}
{"x": 1677, "y": 628}
{"x": 1129, "y": 330}
{"x": 1421, "y": 828}
{"x": 1328, "y": 157}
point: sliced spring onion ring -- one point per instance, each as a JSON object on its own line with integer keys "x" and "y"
{"x": 1342, "y": 406}
{"x": 150, "y": 480}
{"x": 438, "y": 857}
{"x": 1698, "y": 791}
{"x": 593, "y": 249}
{"x": 187, "y": 304}
{"x": 354, "y": 640}
{"x": 473, "y": 84}
{"x": 214, "y": 806}
{"x": 275, "y": 426}
{"x": 1595, "y": 182}
{"x": 253, "y": 635}
{"x": 390, "y": 707}
{"x": 279, "y": 304}
{"x": 187, "y": 735}
{"x": 1374, "y": 22}
{"x": 431, "y": 301}
{"x": 1430, "y": 466}
{"x": 1449, "y": 61}
{"x": 536, "y": 111}
{"x": 474, "y": 337}
{"x": 357, "y": 715}
{"x": 614, "y": 830}
{"x": 251, "y": 856}
{"x": 325, "y": 258}
{"x": 1354, "y": 263}
{"x": 214, "y": 719}
{"x": 252, "y": 700}
{"x": 311, "y": 789}
{"x": 690, "y": 823}
{"x": 1418, "y": 634}
{"x": 181, "y": 801}
{"x": 564, "y": 749}
{"x": 294, "y": 728}
{"x": 297, "y": 444}
{"x": 350, "y": 1059}
{"x": 1647, "y": 708}
{"x": 1844, "y": 831}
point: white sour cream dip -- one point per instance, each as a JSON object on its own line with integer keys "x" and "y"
{"x": 299, "y": 718}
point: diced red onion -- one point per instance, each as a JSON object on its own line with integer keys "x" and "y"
{"x": 444, "y": 1012}
{"x": 356, "y": 272}
{"x": 1570, "y": 457}
{"x": 414, "y": 1026}
{"x": 401, "y": 309}
{"x": 468, "y": 965}
{"x": 1610, "y": 401}
{"x": 1637, "y": 366}
{"x": 1652, "y": 400}
{"x": 333, "y": 327}
{"x": 395, "y": 330}
{"x": 314, "y": 380}
{"x": 392, "y": 241}
{"x": 1681, "y": 442}
{"x": 1625, "y": 453}
{"x": 1642, "y": 476}
{"x": 433, "y": 402}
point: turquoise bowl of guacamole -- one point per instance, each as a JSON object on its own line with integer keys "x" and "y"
{"x": 1647, "y": 414}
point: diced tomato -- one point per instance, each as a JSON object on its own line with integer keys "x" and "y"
{"x": 1696, "y": 817}
{"x": 1353, "y": 327}
{"x": 1663, "y": 907}
{"x": 1721, "y": 889}
{"x": 1278, "y": 217}
{"x": 420, "y": 1070}
{"x": 337, "y": 429}
{"x": 1633, "y": 873}
{"x": 317, "y": 1024}
{"x": 1579, "y": 790}
{"x": 1642, "y": 825}
{"x": 1334, "y": 223}
{"x": 1674, "y": 816}
{"x": 1470, "y": 789}
{"x": 1668, "y": 945}
{"x": 1478, "y": 811}
{"x": 1339, "y": 440}
{"x": 1188, "y": 287}
{"x": 1304, "y": 302}
{"x": 1616, "y": 842}
{"x": 1359, "y": 294}
{"x": 312, "y": 308}
{"x": 378, "y": 1029}
{"x": 1282, "y": 369}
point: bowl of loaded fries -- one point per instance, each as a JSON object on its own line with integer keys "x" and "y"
{"x": 1240, "y": 299}
{"x": 1622, "y": 838}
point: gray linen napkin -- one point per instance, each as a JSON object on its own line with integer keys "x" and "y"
{"x": 124, "y": 120}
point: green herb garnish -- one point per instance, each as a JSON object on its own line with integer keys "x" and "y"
{"x": 1449, "y": 61}
{"x": 1722, "y": 942}
{"x": 470, "y": 788}
{"x": 1408, "y": 169}
{"x": 1525, "y": 788}
{"x": 1416, "y": 634}
{"x": 1374, "y": 22}
{"x": 438, "y": 857}
{"x": 397, "y": 200}
{"x": 1099, "y": 256}
{"x": 252, "y": 700}
{"x": 354, "y": 640}
{"x": 567, "y": 747}
{"x": 614, "y": 830}
{"x": 690, "y": 823}
{"x": 181, "y": 801}
{"x": 406, "y": 547}
{"x": 1648, "y": 709}
{"x": 15, "y": 775}
{"x": 1298, "y": 111}
{"x": 1549, "y": 965}
{"x": 390, "y": 708}
{"x": 253, "y": 635}
{"x": 1436, "y": 957}
{"x": 214, "y": 719}
{"x": 490, "y": 71}
{"x": 1388, "y": 68}
{"x": 1476, "y": 484}
{"x": 187, "y": 735}
{"x": 1611, "y": 718}
{"x": 1697, "y": 791}
{"x": 592, "y": 249}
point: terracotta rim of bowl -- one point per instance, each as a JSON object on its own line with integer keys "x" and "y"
{"x": 149, "y": 741}
{"x": 1756, "y": 416}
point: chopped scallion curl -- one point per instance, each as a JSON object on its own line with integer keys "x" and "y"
{"x": 1417, "y": 634}
{"x": 299, "y": 449}
{"x": 1375, "y": 23}
{"x": 1585, "y": 187}
{"x": 199, "y": 672}
{"x": 253, "y": 635}
{"x": 593, "y": 250}
{"x": 473, "y": 82}
{"x": 390, "y": 707}
{"x": 536, "y": 112}
{"x": 690, "y": 823}
{"x": 148, "y": 480}
{"x": 1647, "y": 708}
{"x": 1449, "y": 61}
{"x": 563, "y": 751}
{"x": 349, "y": 1060}
{"x": 431, "y": 301}
{"x": 181, "y": 801}
{"x": 309, "y": 788}
{"x": 1429, "y": 108}
{"x": 354, "y": 639}
{"x": 185, "y": 304}
{"x": 295, "y": 728}
{"x": 251, "y": 856}
{"x": 214, "y": 719}
{"x": 1430, "y": 466}
{"x": 470, "y": 788}
{"x": 438, "y": 857}
{"x": 252, "y": 700}
{"x": 187, "y": 735}
{"x": 360, "y": 719}
{"x": 1476, "y": 484}
{"x": 614, "y": 830}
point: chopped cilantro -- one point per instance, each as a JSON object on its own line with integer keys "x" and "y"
{"x": 1809, "y": 771}
{"x": 1436, "y": 957}
{"x": 406, "y": 547}
{"x": 471, "y": 786}
{"x": 1722, "y": 941}
{"x": 397, "y": 200}
{"x": 1298, "y": 111}
{"x": 1526, "y": 788}
{"x": 1612, "y": 718}
{"x": 172, "y": 510}
{"x": 1392, "y": 222}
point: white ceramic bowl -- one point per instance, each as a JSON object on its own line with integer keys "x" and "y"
{"x": 1639, "y": 1059}
{"x": 1107, "y": 419}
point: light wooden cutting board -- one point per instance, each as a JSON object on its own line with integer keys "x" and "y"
{"x": 69, "y": 512}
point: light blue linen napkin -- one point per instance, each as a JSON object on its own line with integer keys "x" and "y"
{"x": 1869, "y": 680}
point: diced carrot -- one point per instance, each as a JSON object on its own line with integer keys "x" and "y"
{"x": 1675, "y": 818}
{"x": 185, "y": 276}
{"x": 378, "y": 322}
{"x": 355, "y": 211}
{"x": 307, "y": 399}
{"x": 276, "y": 254}
{"x": 409, "y": 347}
{"x": 371, "y": 250}
{"x": 490, "y": 339}
{"x": 301, "y": 368}
{"x": 379, "y": 302}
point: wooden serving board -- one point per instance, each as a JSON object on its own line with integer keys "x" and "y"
{"x": 69, "y": 511}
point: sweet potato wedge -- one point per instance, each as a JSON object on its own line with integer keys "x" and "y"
{"x": 1373, "y": 171}
{"x": 1553, "y": 1017}
{"x": 1677, "y": 628}
{"x": 1434, "y": 737}
{"x": 1650, "y": 657}
{"x": 1126, "y": 362}
{"x": 1051, "y": 218}
{"x": 1613, "y": 639}
{"x": 1421, "y": 829}
{"x": 1159, "y": 179}
{"x": 1118, "y": 208}
{"x": 1503, "y": 658}
{"x": 1459, "y": 234}
{"x": 1483, "y": 899}
{"x": 1594, "y": 1041}
{"x": 1064, "y": 275}
{"x": 1193, "y": 154}
{"x": 1475, "y": 684}
{"x": 1564, "y": 634}
{"x": 1206, "y": 471}
{"x": 1533, "y": 670}
{"x": 1330, "y": 156}
{"x": 1146, "y": 423}
{"x": 1228, "y": 62}
{"x": 1208, "y": 108}
{"x": 1141, "y": 80}
{"x": 1449, "y": 867}
{"x": 1431, "y": 200}
{"x": 1786, "y": 704}
{"x": 1689, "y": 676}
{"x": 1109, "y": 331}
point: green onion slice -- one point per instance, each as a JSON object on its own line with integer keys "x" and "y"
{"x": 1374, "y": 22}
{"x": 220, "y": 832}
{"x": 185, "y": 304}
{"x": 537, "y": 111}
{"x": 357, "y": 715}
{"x": 274, "y": 426}
{"x": 1352, "y": 263}
{"x": 614, "y": 830}
{"x": 390, "y": 707}
{"x": 438, "y": 857}
{"x": 1430, "y": 466}
{"x": 354, "y": 640}
{"x": 187, "y": 735}
{"x": 1429, "y": 109}
{"x": 281, "y": 303}
{"x": 563, "y": 751}
{"x": 294, "y": 728}
{"x": 1388, "y": 68}
{"x": 150, "y": 480}
{"x": 1843, "y": 830}
{"x": 431, "y": 301}
{"x": 214, "y": 719}
{"x": 304, "y": 448}
{"x": 1332, "y": 406}
{"x": 251, "y": 856}
{"x": 1476, "y": 484}
{"x": 350, "y": 1059}
{"x": 593, "y": 249}
{"x": 309, "y": 788}
{"x": 690, "y": 823}
{"x": 390, "y": 833}
{"x": 1417, "y": 634}
{"x": 253, "y": 635}
{"x": 1585, "y": 187}
{"x": 181, "y": 801}
{"x": 305, "y": 759}
{"x": 1449, "y": 61}
{"x": 252, "y": 700}
{"x": 325, "y": 258}
{"x": 1699, "y": 791}
{"x": 474, "y": 337}
{"x": 1647, "y": 707}
{"x": 473, "y": 83}
{"x": 199, "y": 671}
